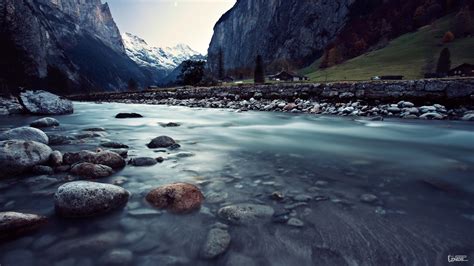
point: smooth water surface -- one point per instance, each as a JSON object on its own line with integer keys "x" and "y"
{"x": 421, "y": 171}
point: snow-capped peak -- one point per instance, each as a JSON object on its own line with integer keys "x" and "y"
{"x": 167, "y": 58}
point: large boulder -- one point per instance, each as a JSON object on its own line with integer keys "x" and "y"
{"x": 79, "y": 157}
{"x": 90, "y": 170}
{"x": 26, "y": 134}
{"x": 84, "y": 199}
{"x": 45, "y": 122}
{"x": 161, "y": 142}
{"x": 45, "y": 103}
{"x": 17, "y": 156}
{"x": 177, "y": 198}
{"x": 245, "y": 213}
{"x": 10, "y": 105}
{"x": 13, "y": 224}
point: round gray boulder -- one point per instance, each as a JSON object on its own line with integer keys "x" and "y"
{"x": 45, "y": 122}
{"x": 84, "y": 199}
{"x": 45, "y": 103}
{"x": 143, "y": 161}
{"x": 25, "y": 133}
{"x": 245, "y": 213}
{"x": 217, "y": 242}
{"x": 17, "y": 156}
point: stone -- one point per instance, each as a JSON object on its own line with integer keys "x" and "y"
{"x": 117, "y": 257}
{"x": 14, "y": 224}
{"x": 45, "y": 103}
{"x": 289, "y": 107}
{"x": 42, "y": 170}
{"x": 26, "y": 134}
{"x": 114, "y": 145}
{"x": 245, "y": 213}
{"x": 56, "y": 139}
{"x": 468, "y": 117}
{"x": 18, "y": 156}
{"x": 177, "y": 198}
{"x": 71, "y": 158}
{"x": 95, "y": 129}
{"x": 110, "y": 159}
{"x": 90, "y": 170}
{"x": 84, "y": 199}
{"x": 128, "y": 115}
{"x": 217, "y": 242}
{"x": 45, "y": 122}
{"x": 432, "y": 116}
{"x": 295, "y": 222}
{"x": 170, "y": 124}
{"x": 277, "y": 195}
{"x": 122, "y": 152}
{"x": 161, "y": 142}
{"x": 143, "y": 161}
{"x": 368, "y": 198}
{"x": 55, "y": 158}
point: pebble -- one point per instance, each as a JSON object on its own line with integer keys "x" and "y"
{"x": 245, "y": 213}
{"x": 143, "y": 161}
{"x": 368, "y": 198}
{"x": 295, "y": 222}
{"x": 217, "y": 242}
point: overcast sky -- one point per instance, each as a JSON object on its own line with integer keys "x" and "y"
{"x": 169, "y": 22}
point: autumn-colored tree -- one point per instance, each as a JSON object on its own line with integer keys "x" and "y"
{"x": 463, "y": 24}
{"x": 448, "y": 37}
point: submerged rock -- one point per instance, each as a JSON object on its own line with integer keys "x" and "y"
{"x": 143, "y": 161}
{"x": 26, "y": 134}
{"x": 83, "y": 199}
{"x": 177, "y": 198}
{"x": 114, "y": 145}
{"x": 90, "y": 170}
{"x": 161, "y": 142}
{"x": 117, "y": 257}
{"x": 128, "y": 115}
{"x": 368, "y": 198}
{"x": 217, "y": 242}
{"x": 45, "y": 122}
{"x": 79, "y": 157}
{"x": 170, "y": 124}
{"x": 13, "y": 224}
{"x": 42, "y": 170}
{"x": 18, "y": 156}
{"x": 45, "y": 103}
{"x": 245, "y": 213}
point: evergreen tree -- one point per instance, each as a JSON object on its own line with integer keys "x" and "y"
{"x": 192, "y": 72}
{"x": 444, "y": 62}
{"x": 259, "y": 75}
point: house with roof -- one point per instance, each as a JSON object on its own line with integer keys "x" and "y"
{"x": 464, "y": 70}
{"x": 287, "y": 76}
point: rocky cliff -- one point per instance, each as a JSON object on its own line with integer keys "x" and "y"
{"x": 67, "y": 46}
{"x": 296, "y": 30}
{"x": 290, "y": 34}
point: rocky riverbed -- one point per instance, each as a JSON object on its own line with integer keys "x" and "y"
{"x": 166, "y": 185}
{"x": 421, "y": 99}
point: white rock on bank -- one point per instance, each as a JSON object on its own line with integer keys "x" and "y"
{"x": 45, "y": 103}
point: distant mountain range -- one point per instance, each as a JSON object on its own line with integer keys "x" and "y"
{"x": 160, "y": 62}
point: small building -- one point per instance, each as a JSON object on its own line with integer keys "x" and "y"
{"x": 464, "y": 70}
{"x": 287, "y": 76}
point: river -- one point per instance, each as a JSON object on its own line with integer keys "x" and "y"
{"x": 420, "y": 171}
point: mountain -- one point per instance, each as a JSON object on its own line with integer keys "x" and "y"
{"x": 68, "y": 46}
{"x": 294, "y": 33}
{"x": 158, "y": 61}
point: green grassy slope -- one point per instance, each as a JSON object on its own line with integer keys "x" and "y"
{"x": 410, "y": 55}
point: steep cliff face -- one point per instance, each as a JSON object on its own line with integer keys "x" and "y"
{"x": 294, "y": 33}
{"x": 65, "y": 45}
{"x": 296, "y": 30}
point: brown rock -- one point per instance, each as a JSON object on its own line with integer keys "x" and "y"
{"x": 91, "y": 170}
{"x": 79, "y": 157}
{"x": 110, "y": 159}
{"x": 13, "y": 224}
{"x": 177, "y": 198}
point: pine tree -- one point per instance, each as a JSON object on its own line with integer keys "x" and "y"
{"x": 444, "y": 62}
{"x": 259, "y": 75}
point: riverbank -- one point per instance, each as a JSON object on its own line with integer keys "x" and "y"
{"x": 424, "y": 99}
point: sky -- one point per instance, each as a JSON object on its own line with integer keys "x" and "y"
{"x": 166, "y": 23}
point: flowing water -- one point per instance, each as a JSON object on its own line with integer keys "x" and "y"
{"x": 421, "y": 171}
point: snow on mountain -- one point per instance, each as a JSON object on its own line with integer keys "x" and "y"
{"x": 158, "y": 58}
